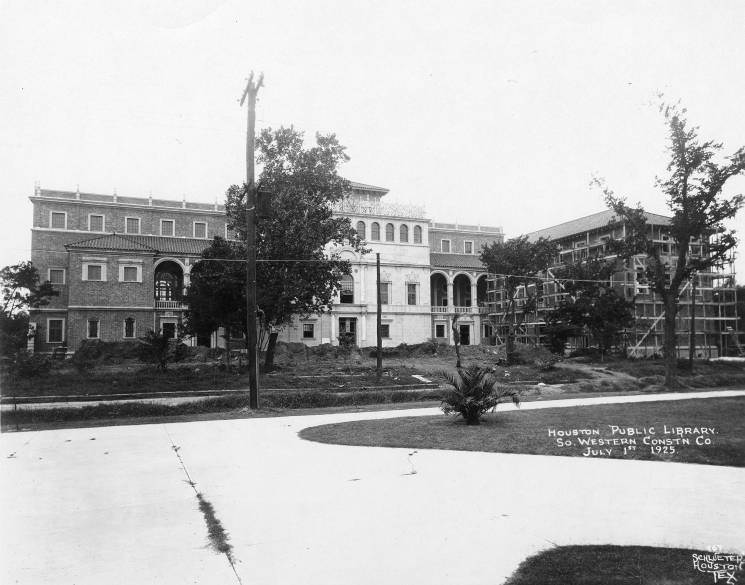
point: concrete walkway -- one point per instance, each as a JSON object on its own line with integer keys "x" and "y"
{"x": 114, "y": 505}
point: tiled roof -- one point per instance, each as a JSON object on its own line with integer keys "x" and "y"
{"x": 111, "y": 242}
{"x": 147, "y": 244}
{"x": 470, "y": 261}
{"x": 356, "y": 185}
{"x": 589, "y": 222}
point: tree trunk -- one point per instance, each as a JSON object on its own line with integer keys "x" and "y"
{"x": 456, "y": 341}
{"x": 269, "y": 358}
{"x": 670, "y": 343}
{"x": 227, "y": 348}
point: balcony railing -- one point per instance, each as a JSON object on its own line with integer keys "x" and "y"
{"x": 354, "y": 207}
{"x": 172, "y": 305}
{"x": 461, "y": 310}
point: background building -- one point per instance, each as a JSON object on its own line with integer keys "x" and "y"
{"x": 121, "y": 265}
{"x": 712, "y": 294}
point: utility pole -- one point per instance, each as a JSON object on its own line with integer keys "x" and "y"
{"x": 252, "y": 88}
{"x": 379, "y": 353}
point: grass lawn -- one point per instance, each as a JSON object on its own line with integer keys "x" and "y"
{"x": 611, "y": 565}
{"x": 138, "y": 379}
{"x": 529, "y": 431}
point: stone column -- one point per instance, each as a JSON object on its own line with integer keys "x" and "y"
{"x": 450, "y": 296}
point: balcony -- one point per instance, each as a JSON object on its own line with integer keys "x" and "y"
{"x": 169, "y": 305}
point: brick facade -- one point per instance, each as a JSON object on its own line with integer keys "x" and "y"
{"x": 111, "y": 274}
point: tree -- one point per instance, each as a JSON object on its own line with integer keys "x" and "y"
{"x": 474, "y": 391}
{"x": 299, "y": 239}
{"x": 216, "y": 296}
{"x": 518, "y": 262}
{"x": 21, "y": 290}
{"x": 590, "y": 304}
{"x": 696, "y": 176}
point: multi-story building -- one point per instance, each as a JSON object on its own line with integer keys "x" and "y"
{"x": 121, "y": 265}
{"x": 710, "y": 294}
{"x": 458, "y": 281}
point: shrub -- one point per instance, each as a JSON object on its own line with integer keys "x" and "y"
{"x": 474, "y": 392}
{"x": 156, "y": 348}
{"x": 29, "y": 365}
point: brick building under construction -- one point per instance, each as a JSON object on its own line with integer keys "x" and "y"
{"x": 712, "y": 293}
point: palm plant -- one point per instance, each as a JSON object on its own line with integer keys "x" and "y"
{"x": 474, "y": 391}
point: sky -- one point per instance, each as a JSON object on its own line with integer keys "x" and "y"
{"x": 494, "y": 113}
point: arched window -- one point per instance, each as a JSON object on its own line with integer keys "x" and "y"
{"x": 417, "y": 234}
{"x": 404, "y": 233}
{"x": 389, "y": 232}
{"x": 361, "y": 229}
{"x": 346, "y": 292}
{"x": 168, "y": 281}
{"x": 375, "y": 231}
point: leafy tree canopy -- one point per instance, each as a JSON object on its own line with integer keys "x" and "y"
{"x": 22, "y": 289}
{"x": 519, "y": 260}
{"x": 216, "y": 296}
{"x": 693, "y": 190}
{"x": 299, "y": 240}
{"x": 590, "y": 305}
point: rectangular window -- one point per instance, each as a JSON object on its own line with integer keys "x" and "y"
{"x": 95, "y": 223}
{"x": 55, "y": 330}
{"x": 467, "y": 247}
{"x": 385, "y": 293}
{"x": 129, "y": 328}
{"x": 200, "y": 229}
{"x": 309, "y": 330}
{"x": 385, "y": 330}
{"x": 411, "y": 296}
{"x": 94, "y": 272}
{"x": 58, "y": 220}
{"x": 167, "y": 227}
{"x": 132, "y": 225}
{"x": 92, "y": 328}
{"x": 440, "y": 330}
{"x": 57, "y": 275}
{"x": 130, "y": 274}
{"x": 445, "y": 246}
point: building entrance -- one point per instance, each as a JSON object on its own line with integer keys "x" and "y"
{"x": 465, "y": 334}
{"x": 348, "y": 325}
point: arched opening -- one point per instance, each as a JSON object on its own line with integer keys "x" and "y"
{"x": 169, "y": 281}
{"x": 404, "y": 233}
{"x": 346, "y": 292}
{"x": 375, "y": 231}
{"x": 389, "y": 232}
{"x": 438, "y": 287}
{"x": 417, "y": 234}
{"x": 462, "y": 291}
{"x": 361, "y": 230}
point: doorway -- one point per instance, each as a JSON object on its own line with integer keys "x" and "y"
{"x": 465, "y": 334}
{"x": 348, "y": 325}
{"x": 169, "y": 329}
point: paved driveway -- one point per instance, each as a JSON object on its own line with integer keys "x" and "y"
{"x": 113, "y": 505}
